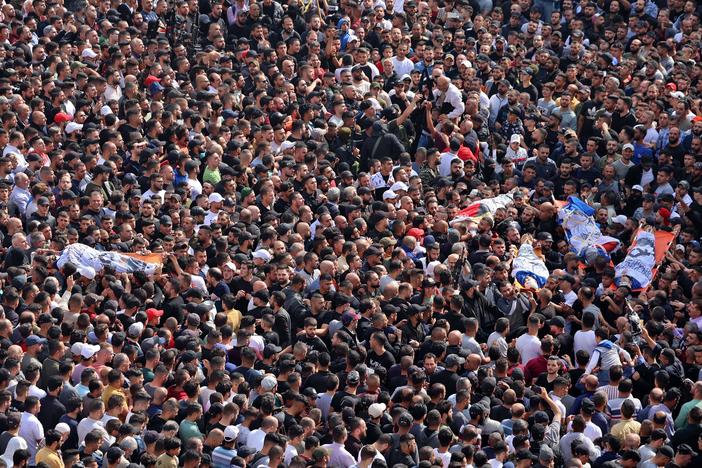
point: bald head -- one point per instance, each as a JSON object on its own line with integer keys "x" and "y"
{"x": 454, "y": 338}
{"x": 591, "y": 382}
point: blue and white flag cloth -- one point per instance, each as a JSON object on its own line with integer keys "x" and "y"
{"x": 639, "y": 264}
{"x": 582, "y": 232}
{"x": 528, "y": 268}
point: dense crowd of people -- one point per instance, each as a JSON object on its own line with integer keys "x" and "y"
{"x": 284, "y": 233}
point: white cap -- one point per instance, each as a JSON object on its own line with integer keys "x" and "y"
{"x": 399, "y": 186}
{"x": 637, "y": 187}
{"x": 106, "y": 110}
{"x": 63, "y": 428}
{"x": 677, "y": 95}
{"x": 515, "y": 138}
{"x": 263, "y": 255}
{"x": 269, "y": 382}
{"x": 628, "y": 146}
{"x": 135, "y": 329}
{"x": 72, "y": 127}
{"x": 619, "y": 219}
{"x": 89, "y": 53}
{"x": 286, "y": 145}
{"x": 376, "y": 410}
{"x": 215, "y": 198}
{"x": 231, "y": 433}
{"x": 76, "y": 348}
{"x": 388, "y": 194}
{"x": 89, "y": 350}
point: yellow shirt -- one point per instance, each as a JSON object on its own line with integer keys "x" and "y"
{"x": 49, "y": 457}
{"x": 166, "y": 461}
{"x": 234, "y": 319}
{"x": 109, "y": 391}
{"x": 624, "y": 427}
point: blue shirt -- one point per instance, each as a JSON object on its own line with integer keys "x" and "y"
{"x": 222, "y": 457}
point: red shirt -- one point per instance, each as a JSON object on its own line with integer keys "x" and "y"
{"x": 534, "y": 368}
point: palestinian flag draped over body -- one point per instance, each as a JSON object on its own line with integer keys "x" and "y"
{"x": 646, "y": 254}
{"x": 480, "y": 208}
{"x": 528, "y": 268}
{"x": 89, "y": 261}
{"x": 583, "y": 234}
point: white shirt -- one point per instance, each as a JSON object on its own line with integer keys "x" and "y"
{"x": 444, "y": 457}
{"x": 570, "y": 298}
{"x": 210, "y": 217}
{"x": 584, "y": 340}
{"x": 16, "y": 443}
{"x": 149, "y": 193}
{"x": 32, "y": 432}
{"x": 445, "y": 163}
{"x": 497, "y": 338}
{"x": 255, "y": 439}
{"x": 195, "y": 188}
{"x": 592, "y": 430}
{"x": 20, "y": 198}
{"x": 378, "y": 181}
{"x": 452, "y": 96}
{"x": 529, "y": 347}
{"x": 36, "y": 391}
{"x": 290, "y": 453}
{"x": 557, "y": 400}
{"x": 88, "y": 425}
{"x": 496, "y": 103}
{"x": 112, "y": 93}
{"x": 402, "y": 67}
{"x": 339, "y": 457}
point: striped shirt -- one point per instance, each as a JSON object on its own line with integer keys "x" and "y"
{"x": 612, "y": 391}
{"x": 222, "y": 457}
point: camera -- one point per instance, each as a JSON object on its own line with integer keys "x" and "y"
{"x": 635, "y": 322}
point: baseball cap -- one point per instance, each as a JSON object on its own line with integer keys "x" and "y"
{"x": 215, "y": 198}
{"x": 353, "y": 377}
{"x": 587, "y": 405}
{"x": 230, "y": 433}
{"x": 135, "y": 329}
{"x": 349, "y": 317}
{"x": 558, "y": 322}
{"x": 268, "y": 383}
{"x": 405, "y": 420}
{"x": 684, "y": 449}
{"x": 34, "y": 340}
{"x": 619, "y": 219}
{"x": 453, "y": 360}
{"x": 376, "y": 410}
{"x": 262, "y": 254}
{"x": 666, "y": 451}
{"x": 153, "y": 313}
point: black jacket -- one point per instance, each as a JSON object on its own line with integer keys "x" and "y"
{"x": 389, "y": 145}
{"x": 479, "y": 307}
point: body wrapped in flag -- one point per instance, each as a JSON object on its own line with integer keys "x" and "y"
{"x": 528, "y": 268}
{"x": 89, "y": 261}
{"x": 582, "y": 232}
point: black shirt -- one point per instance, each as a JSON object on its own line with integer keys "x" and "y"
{"x": 51, "y": 411}
{"x": 385, "y": 360}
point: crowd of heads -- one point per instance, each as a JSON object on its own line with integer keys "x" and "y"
{"x": 282, "y": 233}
